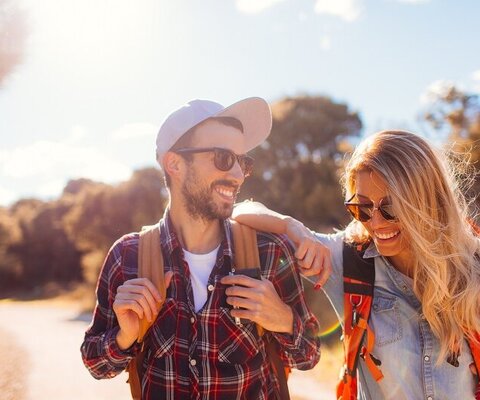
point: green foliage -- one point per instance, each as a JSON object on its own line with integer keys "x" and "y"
{"x": 297, "y": 170}
{"x": 65, "y": 240}
{"x": 454, "y": 116}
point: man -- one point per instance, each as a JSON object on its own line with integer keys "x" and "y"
{"x": 195, "y": 348}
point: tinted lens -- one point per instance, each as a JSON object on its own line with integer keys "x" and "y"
{"x": 360, "y": 213}
{"x": 363, "y": 212}
{"x": 246, "y": 164}
{"x": 224, "y": 159}
{"x": 387, "y": 212}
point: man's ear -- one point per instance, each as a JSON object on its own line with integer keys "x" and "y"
{"x": 172, "y": 164}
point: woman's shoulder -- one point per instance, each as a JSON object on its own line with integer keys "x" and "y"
{"x": 334, "y": 241}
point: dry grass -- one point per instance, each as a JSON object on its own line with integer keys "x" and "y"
{"x": 13, "y": 368}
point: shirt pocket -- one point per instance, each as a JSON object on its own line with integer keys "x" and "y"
{"x": 238, "y": 345}
{"x": 161, "y": 337}
{"x": 387, "y": 326}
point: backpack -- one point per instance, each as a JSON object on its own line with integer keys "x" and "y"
{"x": 358, "y": 284}
{"x": 150, "y": 265}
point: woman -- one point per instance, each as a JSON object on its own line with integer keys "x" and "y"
{"x": 411, "y": 217}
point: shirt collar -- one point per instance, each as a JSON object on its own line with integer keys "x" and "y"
{"x": 170, "y": 242}
{"x": 371, "y": 251}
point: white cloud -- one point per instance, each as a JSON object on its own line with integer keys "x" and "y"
{"x": 7, "y": 196}
{"x": 43, "y": 167}
{"x": 348, "y": 10}
{"x": 255, "y": 6}
{"x": 302, "y": 16}
{"x": 134, "y": 131}
{"x": 51, "y": 188}
{"x": 77, "y": 134}
{"x": 325, "y": 43}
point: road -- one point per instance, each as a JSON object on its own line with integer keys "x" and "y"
{"x": 46, "y": 336}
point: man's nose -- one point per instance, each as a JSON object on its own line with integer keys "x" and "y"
{"x": 237, "y": 173}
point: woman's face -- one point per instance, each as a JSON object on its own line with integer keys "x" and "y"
{"x": 386, "y": 234}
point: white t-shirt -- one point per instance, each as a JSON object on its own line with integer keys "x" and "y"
{"x": 200, "y": 266}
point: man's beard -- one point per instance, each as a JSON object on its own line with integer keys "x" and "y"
{"x": 199, "y": 201}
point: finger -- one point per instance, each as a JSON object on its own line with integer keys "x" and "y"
{"x": 121, "y": 305}
{"x": 309, "y": 271}
{"x": 325, "y": 273}
{"x": 242, "y": 291}
{"x": 146, "y": 283}
{"x": 309, "y": 258}
{"x": 141, "y": 290}
{"x": 301, "y": 251}
{"x": 242, "y": 303}
{"x": 244, "y": 314}
{"x": 473, "y": 369}
{"x": 240, "y": 280}
{"x": 139, "y": 299}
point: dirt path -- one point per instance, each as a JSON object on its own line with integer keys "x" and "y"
{"x": 41, "y": 346}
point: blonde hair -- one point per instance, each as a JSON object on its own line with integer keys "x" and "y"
{"x": 426, "y": 195}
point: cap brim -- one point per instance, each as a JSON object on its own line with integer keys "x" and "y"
{"x": 256, "y": 117}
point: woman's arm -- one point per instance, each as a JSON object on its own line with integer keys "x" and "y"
{"x": 313, "y": 257}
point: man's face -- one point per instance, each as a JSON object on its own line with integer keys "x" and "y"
{"x": 208, "y": 192}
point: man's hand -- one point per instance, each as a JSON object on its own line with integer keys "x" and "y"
{"x": 313, "y": 257}
{"x": 259, "y": 302}
{"x": 135, "y": 299}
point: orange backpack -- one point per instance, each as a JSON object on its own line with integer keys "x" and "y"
{"x": 150, "y": 265}
{"x": 358, "y": 284}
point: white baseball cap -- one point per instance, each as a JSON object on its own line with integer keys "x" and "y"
{"x": 254, "y": 113}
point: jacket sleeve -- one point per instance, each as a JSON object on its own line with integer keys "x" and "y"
{"x": 100, "y": 352}
{"x": 300, "y": 350}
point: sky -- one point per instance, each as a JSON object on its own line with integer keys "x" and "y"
{"x": 99, "y": 76}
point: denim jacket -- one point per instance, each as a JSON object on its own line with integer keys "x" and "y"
{"x": 404, "y": 342}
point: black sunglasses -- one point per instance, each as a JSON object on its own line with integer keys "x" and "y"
{"x": 363, "y": 212}
{"x": 224, "y": 159}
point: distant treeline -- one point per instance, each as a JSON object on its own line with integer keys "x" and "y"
{"x": 296, "y": 172}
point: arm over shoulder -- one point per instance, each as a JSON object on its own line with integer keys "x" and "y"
{"x": 301, "y": 349}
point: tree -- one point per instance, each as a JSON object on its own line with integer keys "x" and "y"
{"x": 297, "y": 170}
{"x": 13, "y": 33}
{"x": 454, "y": 115}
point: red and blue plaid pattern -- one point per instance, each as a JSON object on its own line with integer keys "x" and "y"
{"x": 201, "y": 355}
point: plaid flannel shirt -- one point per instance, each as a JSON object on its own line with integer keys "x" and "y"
{"x": 202, "y": 355}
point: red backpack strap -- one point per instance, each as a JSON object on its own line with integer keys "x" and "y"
{"x": 247, "y": 256}
{"x": 358, "y": 284}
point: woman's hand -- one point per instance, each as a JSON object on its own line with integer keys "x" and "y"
{"x": 313, "y": 257}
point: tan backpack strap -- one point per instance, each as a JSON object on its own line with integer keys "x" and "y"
{"x": 150, "y": 265}
{"x": 247, "y": 256}
{"x": 245, "y": 246}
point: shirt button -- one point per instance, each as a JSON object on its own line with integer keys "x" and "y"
{"x": 192, "y": 320}
{"x": 193, "y": 362}
{"x": 210, "y": 288}
{"x": 426, "y": 358}
{"x": 429, "y": 398}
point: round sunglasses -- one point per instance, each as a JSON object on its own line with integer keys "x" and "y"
{"x": 224, "y": 159}
{"x": 363, "y": 212}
